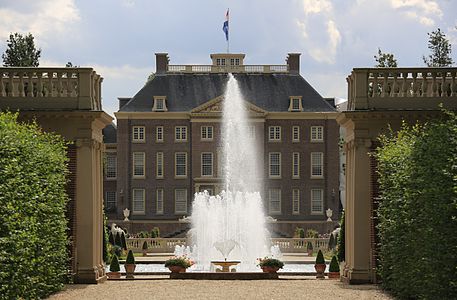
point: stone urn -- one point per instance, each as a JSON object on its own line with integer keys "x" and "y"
{"x": 177, "y": 269}
{"x": 320, "y": 269}
{"x": 267, "y": 269}
{"x": 129, "y": 270}
{"x": 333, "y": 275}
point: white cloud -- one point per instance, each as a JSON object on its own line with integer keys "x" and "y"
{"x": 424, "y": 11}
{"x": 302, "y": 27}
{"x": 44, "y": 18}
{"x": 122, "y": 72}
{"x": 316, "y": 6}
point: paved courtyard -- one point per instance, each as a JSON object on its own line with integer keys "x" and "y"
{"x": 203, "y": 289}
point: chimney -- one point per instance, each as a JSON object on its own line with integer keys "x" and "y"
{"x": 293, "y": 62}
{"x": 123, "y": 101}
{"x": 161, "y": 63}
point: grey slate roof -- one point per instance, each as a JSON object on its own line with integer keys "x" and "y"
{"x": 109, "y": 134}
{"x": 268, "y": 91}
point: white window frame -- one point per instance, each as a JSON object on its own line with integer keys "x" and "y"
{"x": 135, "y": 157}
{"x": 159, "y": 134}
{"x": 159, "y": 165}
{"x": 207, "y": 133}
{"x": 138, "y": 134}
{"x": 320, "y": 157}
{"x": 176, "y": 165}
{"x": 296, "y": 165}
{"x": 163, "y": 101}
{"x": 295, "y": 134}
{"x": 271, "y": 211}
{"x": 317, "y": 133}
{"x": 315, "y": 201}
{"x": 111, "y": 167}
{"x": 180, "y": 212}
{"x": 293, "y": 100}
{"x": 180, "y": 133}
{"x": 251, "y": 132}
{"x": 205, "y": 164}
{"x": 141, "y": 192}
{"x": 274, "y": 133}
{"x": 270, "y": 165}
{"x": 159, "y": 201}
{"x": 295, "y": 201}
{"x": 108, "y": 200}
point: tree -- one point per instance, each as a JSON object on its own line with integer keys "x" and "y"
{"x": 385, "y": 60}
{"x": 440, "y": 50}
{"x": 21, "y": 51}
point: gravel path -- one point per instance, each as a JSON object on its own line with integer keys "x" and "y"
{"x": 212, "y": 289}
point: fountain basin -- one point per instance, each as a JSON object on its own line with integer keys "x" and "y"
{"x": 224, "y": 276}
{"x": 225, "y": 265}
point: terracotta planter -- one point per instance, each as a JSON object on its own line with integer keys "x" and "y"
{"x": 334, "y": 275}
{"x": 129, "y": 270}
{"x": 114, "y": 275}
{"x": 320, "y": 269}
{"x": 268, "y": 269}
{"x": 177, "y": 269}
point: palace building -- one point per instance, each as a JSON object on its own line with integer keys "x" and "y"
{"x": 166, "y": 145}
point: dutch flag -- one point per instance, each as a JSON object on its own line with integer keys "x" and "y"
{"x": 225, "y": 27}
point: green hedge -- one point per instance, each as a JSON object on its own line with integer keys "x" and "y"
{"x": 417, "y": 213}
{"x": 33, "y": 240}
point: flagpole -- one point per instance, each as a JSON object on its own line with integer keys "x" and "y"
{"x": 228, "y": 39}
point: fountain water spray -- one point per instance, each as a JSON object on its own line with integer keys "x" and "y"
{"x": 231, "y": 225}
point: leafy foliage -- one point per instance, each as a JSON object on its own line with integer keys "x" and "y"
{"x": 270, "y": 262}
{"x": 123, "y": 242}
{"x": 311, "y": 233}
{"x": 155, "y": 232}
{"x": 440, "y": 50}
{"x": 114, "y": 265}
{"x": 418, "y": 211}
{"x": 181, "y": 261}
{"x": 334, "y": 266}
{"x": 21, "y": 51}
{"x": 145, "y": 245}
{"x": 385, "y": 60}
{"x": 299, "y": 232}
{"x": 331, "y": 242}
{"x": 33, "y": 238}
{"x": 320, "y": 258}
{"x": 309, "y": 246}
{"x": 105, "y": 240}
{"x": 130, "y": 258}
{"x": 341, "y": 243}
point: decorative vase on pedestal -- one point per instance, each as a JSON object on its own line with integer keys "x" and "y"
{"x": 177, "y": 269}
{"x": 320, "y": 269}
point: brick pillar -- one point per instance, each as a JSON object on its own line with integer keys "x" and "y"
{"x": 161, "y": 63}
{"x": 293, "y": 61}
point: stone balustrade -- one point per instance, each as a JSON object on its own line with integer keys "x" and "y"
{"x": 50, "y": 88}
{"x": 228, "y": 69}
{"x": 402, "y": 88}
{"x": 167, "y": 245}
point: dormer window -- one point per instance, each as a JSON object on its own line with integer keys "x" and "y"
{"x": 295, "y": 103}
{"x": 159, "y": 103}
{"x": 220, "y": 61}
{"x": 235, "y": 61}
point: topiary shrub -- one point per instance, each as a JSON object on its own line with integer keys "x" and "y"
{"x": 155, "y": 232}
{"x": 299, "y": 232}
{"x": 341, "y": 243}
{"x": 309, "y": 246}
{"x": 334, "y": 266}
{"x": 114, "y": 265}
{"x": 111, "y": 238}
{"x": 130, "y": 258}
{"x": 145, "y": 245}
{"x": 320, "y": 258}
{"x": 33, "y": 226}
{"x": 117, "y": 240}
{"x": 312, "y": 234}
{"x": 331, "y": 242}
{"x": 123, "y": 241}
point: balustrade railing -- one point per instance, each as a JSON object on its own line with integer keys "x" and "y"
{"x": 228, "y": 69}
{"x": 401, "y": 88}
{"x": 56, "y": 88}
{"x": 167, "y": 245}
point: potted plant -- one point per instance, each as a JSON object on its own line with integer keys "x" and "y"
{"x": 130, "y": 265}
{"x": 334, "y": 269}
{"x": 178, "y": 264}
{"x": 114, "y": 268}
{"x": 145, "y": 248}
{"x": 270, "y": 265}
{"x": 320, "y": 265}
{"x": 309, "y": 248}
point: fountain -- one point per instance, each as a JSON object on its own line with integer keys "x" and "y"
{"x": 229, "y": 228}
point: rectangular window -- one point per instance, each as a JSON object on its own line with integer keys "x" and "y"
{"x": 159, "y": 134}
{"x": 232, "y": 61}
{"x": 181, "y": 164}
{"x": 317, "y": 202}
{"x": 180, "y": 133}
{"x": 138, "y": 201}
{"x": 237, "y": 61}
{"x": 251, "y": 132}
{"x": 207, "y": 133}
{"x": 159, "y": 164}
{"x": 296, "y": 104}
{"x": 295, "y": 201}
{"x": 159, "y": 207}
{"x": 110, "y": 201}
{"x": 180, "y": 201}
{"x": 111, "y": 165}
{"x": 207, "y": 164}
{"x": 317, "y": 133}
{"x": 274, "y": 133}
{"x": 274, "y": 201}
{"x": 296, "y": 165}
{"x": 138, "y": 164}
{"x": 138, "y": 134}
{"x": 295, "y": 134}
{"x": 160, "y": 104}
{"x": 317, "y": 164}
{"x": 275, "y": 164}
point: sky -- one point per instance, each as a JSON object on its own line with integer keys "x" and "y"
{"x": 118, "y": 38}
